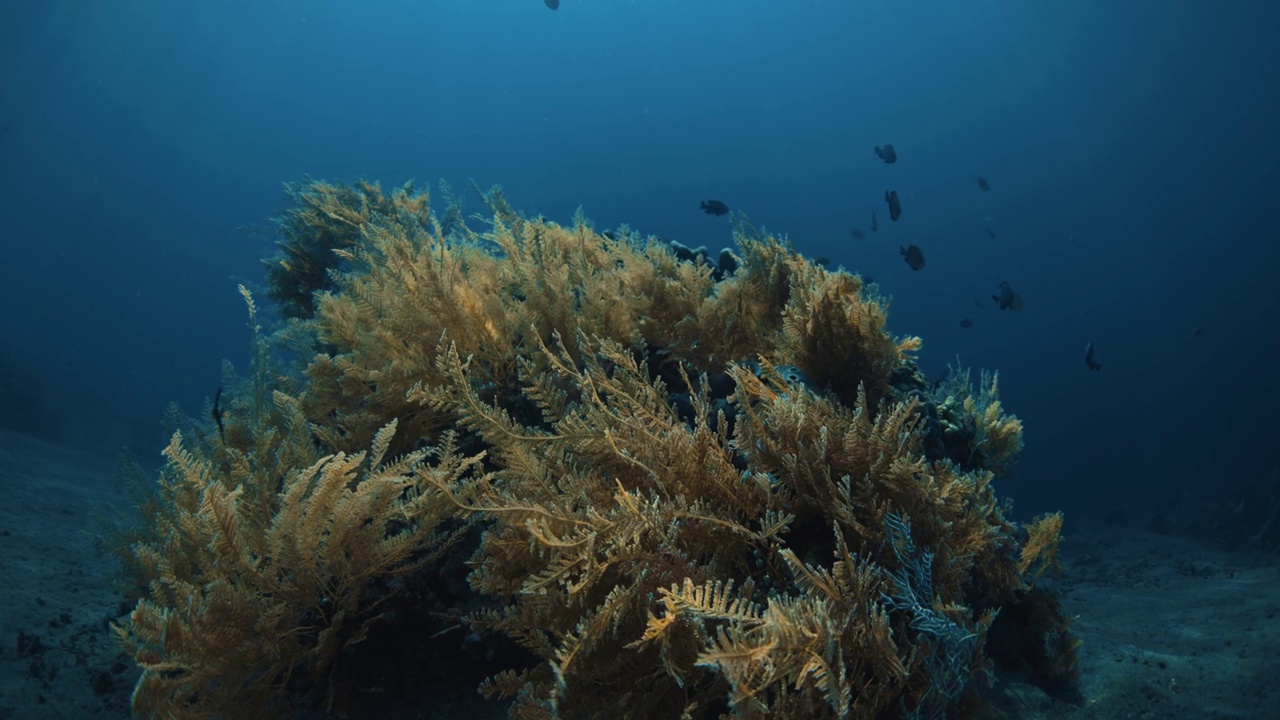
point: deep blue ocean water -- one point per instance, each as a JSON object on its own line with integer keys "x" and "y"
{"x": 1130, "y": 150}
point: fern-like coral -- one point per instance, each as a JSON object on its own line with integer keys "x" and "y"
{"x": 682, "y": 493}
{"x": 976, "y": 430}
{"x": 252, "y": 595}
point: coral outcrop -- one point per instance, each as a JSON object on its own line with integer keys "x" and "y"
{"x": 679, "y": 494}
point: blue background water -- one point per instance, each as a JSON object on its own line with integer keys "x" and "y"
{"x": 1131, "y": 155}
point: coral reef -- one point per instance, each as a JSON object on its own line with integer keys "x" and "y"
{"x": 680, "y": 493}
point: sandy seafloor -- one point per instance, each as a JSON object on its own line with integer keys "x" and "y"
{"x": 1170, "y": 629}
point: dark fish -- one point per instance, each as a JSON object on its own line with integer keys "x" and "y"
{"x": 713, "y": 207}
{"x": 887, "y": 154}
{"x": 553, "y": 4}
{"x": 217, "y": 415}
{"x": 1008, "y": 299}
{"x": 978, "y": 302}
{"x": 982, "y": 183}
{"x": 913, "y": 255}
{"x": 895, "y": 206}
{"x": 1199, "y": 331}
{"x": 875, "y": 224}
{"x": 966, "y": 323}
{"x": 822, "y": 260}
{"x": 991, "y": 233}
{"x": 857, "y": 234}
{"x": 1091, "y": 357}
{"x": 867, "y": 280}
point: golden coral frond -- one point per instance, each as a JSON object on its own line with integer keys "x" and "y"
{"x": 981, "y": 434}
{"x": 713, "y": 600}
{"x": 658, "y": 625}
{"x": 381, "y": 441}
{"x": 1040, "y": 552}
{"x": 835, "y": 331}
{"x": 1000, "y": 433}
{"x": 811, "y": 580}
{"x": 504, "y": 684}
{"x": 229, "y": 608}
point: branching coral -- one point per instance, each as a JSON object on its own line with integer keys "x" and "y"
{"x": 698, "y": 495}
{"x": 977, "y": 433}
{"x": 326, "y": 222}
{"x": 245, "y": 597}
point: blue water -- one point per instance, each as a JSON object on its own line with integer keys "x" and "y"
{"x": 1131, "y": 156}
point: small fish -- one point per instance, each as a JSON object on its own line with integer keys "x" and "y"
{"x": 857, "y": 234}
{"x": 887, "y": 154}
{"x": 875, "y": 224}
{"x": 867, "y": 280}
{"x": 822, "y": 260}
{"x": 1091, "y": 357}
{"x": 553, "y": 4}
{"x": 991, "y": 233}
{"x": 1008, "y": 299}
{"x": 982, "y": 183}
{"x": 217, "y": 415}
{"x": 895, "y": 206}
{"x": 913, "y": 255}
{"x": 978, "y": 302}
{"x": 966, "y": 323}
{"x": 1198, "y": 332}
{"x": 713, "y": 207}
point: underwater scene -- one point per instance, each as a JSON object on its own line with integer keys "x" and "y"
{"x": 640, "y": 359}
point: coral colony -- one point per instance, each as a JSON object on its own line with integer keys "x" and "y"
{"x": 593, "y": 477}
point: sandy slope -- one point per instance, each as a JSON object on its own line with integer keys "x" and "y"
{"x": 1170, "y": 629}
{"x": 57, "y": 658}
